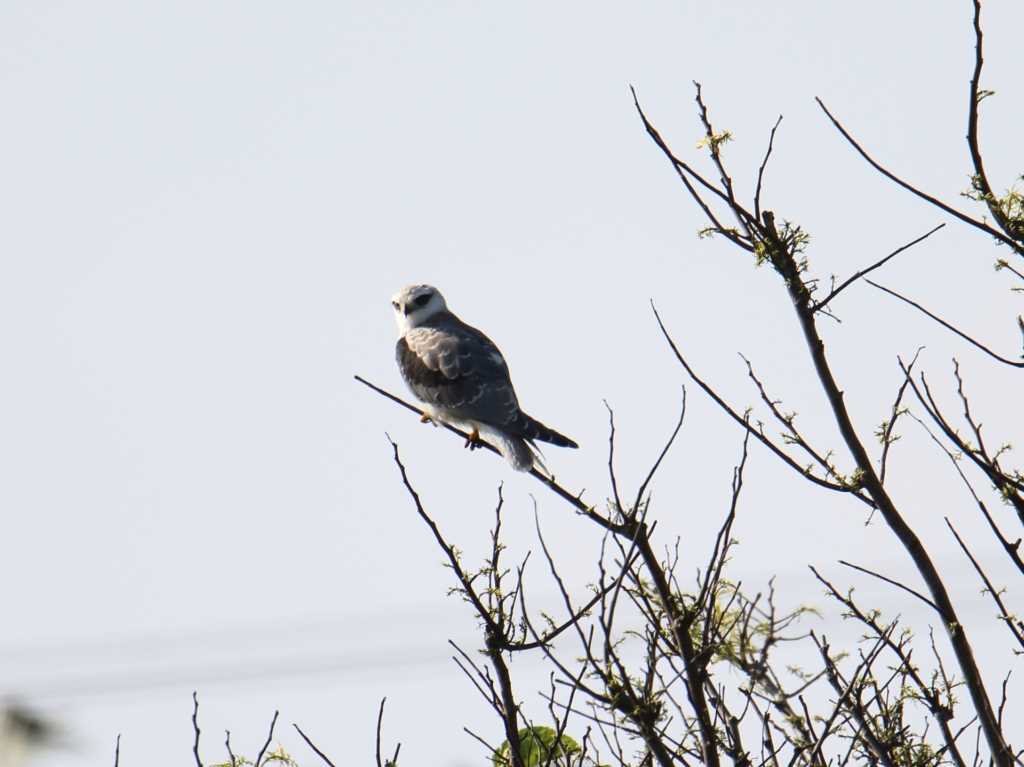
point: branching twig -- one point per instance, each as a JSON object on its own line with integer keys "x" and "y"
{"x": 1011, "y": 547}
{"x": 266, "y": 744}
{"x": 746, "y": 425}
{"x": 227, "y": 745}
{"x": 380, "y": 720}
{"x": 1012, "y": 622}
{"x": 881, "y": 262}
{"x": 886, "y": 435}
{"x": 980, "y": 182}
{"x": 982, "y": 226}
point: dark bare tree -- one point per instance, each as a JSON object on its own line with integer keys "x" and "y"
{"x": 666, "y": 660}
{"x": 642, "y": 682}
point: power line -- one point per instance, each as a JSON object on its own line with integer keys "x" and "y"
{"x": 102, "y": 683}
{"x": 264, "y": 633}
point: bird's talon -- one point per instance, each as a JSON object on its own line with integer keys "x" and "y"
{"x": 426, "y": 419}
{"x": 473, "y": 441}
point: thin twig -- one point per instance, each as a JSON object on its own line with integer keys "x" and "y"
{"x": 195, "y": 727}
{"x": 891, "y": 582}
{"x": 1011, "y": 547}
{"x": 788, "y": 421}
{"x": 761, "y": 169}
{"x": 1008, "y": 486}
{"x": 685, "y": 173}
{"x": 746, "y": 425}
{"x": 227, "y": 745}
{"x": 948, "y": 326}
{"x": 980, "y": 181}
{"x": 890, "y": 425}
{"x": 917, "y": 192}
{"x": 611, "y": 460}
{"x": 266, "y": 744}
{"x": 380, "y": 719}
{"x": 1011, "y": 621}
{"x": 310, "y": 743}
{"x": 881, "y": 262}
{"x": 661, "y": 456}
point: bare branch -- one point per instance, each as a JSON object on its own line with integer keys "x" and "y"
{"x": 491, "y": 750}
{"x": 891, "y": 582}
{"x": 881, "y": 262}
{"x": 611, "y": 461}
{"x": 746, "y": 425}
{"x": 1011, "y": 547}
{"x": 195, "y": 727}
{"x": 664, "y": 451}
{"x": 761, "y": 169}
{"x": 227, "y": 745}
{"x": 980, "y": 182}
{"x": 915, "y": 191}
{"x": 890, "y": 425}
{"x": 310, "y": 743}
{"x": 1008, "y": 486}
{"x": 380, "y": 721}
{"x": 941, "y": 711}
{"x": 565, "y": 495}
{"x": 948, "y": 326}
{"x": 685, "y": 173}
{"x": 266, "y": 745}
{"x": 792, "y": 434}
{"x": 714, "y": 142}
{"x": 1012, "y": 623}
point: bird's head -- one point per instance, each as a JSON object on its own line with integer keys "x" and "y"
{"x": 415, "y": 304}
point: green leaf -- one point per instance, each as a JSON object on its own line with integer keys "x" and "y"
{"x": 537, "y": 746}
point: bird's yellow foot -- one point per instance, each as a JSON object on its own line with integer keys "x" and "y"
{"x": 473, "y": 441}
{"x": 426, "y": 419}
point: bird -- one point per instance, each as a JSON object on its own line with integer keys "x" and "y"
{"x": 462, "y": 379}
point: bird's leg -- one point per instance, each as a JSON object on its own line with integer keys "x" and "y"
{"x": 427, "y": 419}
{"x": 473, "y": 441}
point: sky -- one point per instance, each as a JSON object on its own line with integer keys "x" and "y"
{"x": 207, "y": 207}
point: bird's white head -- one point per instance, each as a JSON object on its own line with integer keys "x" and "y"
{"x": 415, "y": 304}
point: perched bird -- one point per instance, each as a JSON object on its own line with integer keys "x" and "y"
{"x": 461, "y": 378}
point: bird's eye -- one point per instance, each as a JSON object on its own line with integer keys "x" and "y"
{"x": 422, "y": 300}
{"x": 394, "y": 304}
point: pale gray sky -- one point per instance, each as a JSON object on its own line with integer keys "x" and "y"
{"x": 206, "y": 209}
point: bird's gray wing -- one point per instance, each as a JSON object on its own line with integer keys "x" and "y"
{"x": 458, "y": 369}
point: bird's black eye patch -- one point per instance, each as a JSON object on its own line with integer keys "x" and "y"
{"x": 394, "y": 304}
{"x": 422, "y": 300}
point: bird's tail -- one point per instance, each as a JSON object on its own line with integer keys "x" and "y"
{"x": 516, "y": 443}
{"x": 518, "y": 453}
{"x": 522, "y": 454}
{"x": 532, "y": 429}
{"x": 513, "y": 449}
